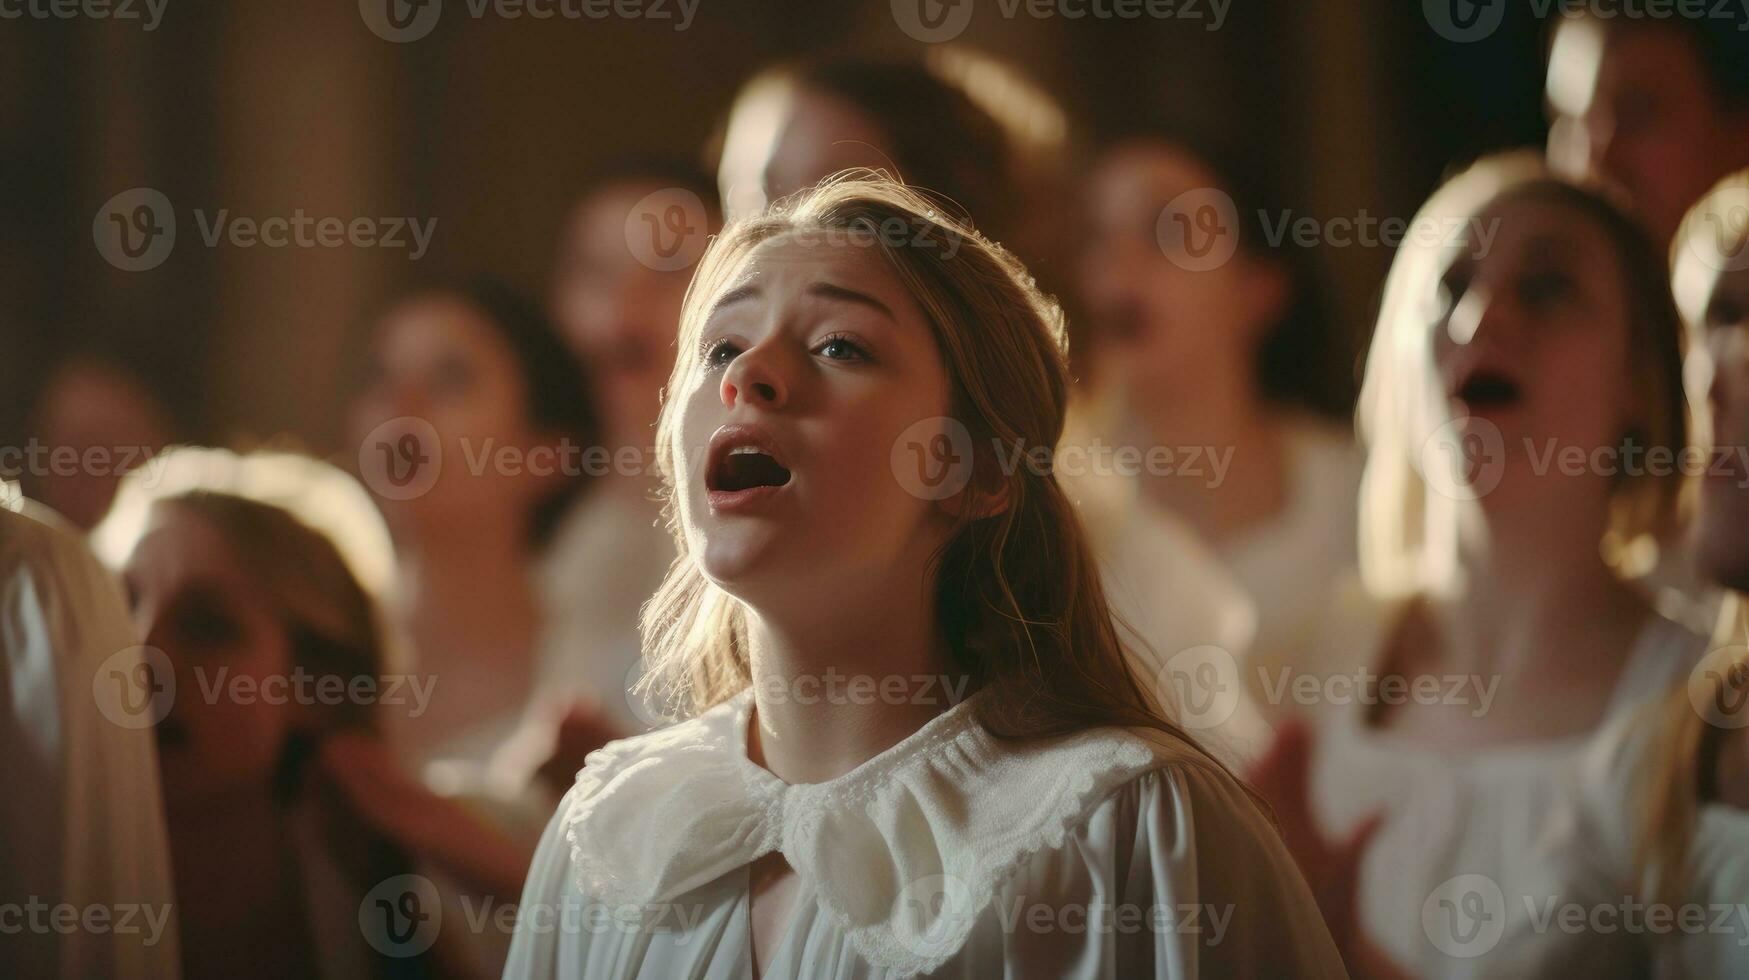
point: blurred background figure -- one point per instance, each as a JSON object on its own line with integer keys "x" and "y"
{"x": 1213, "y": 342}
{"x": 266, "y": 632}
{"x": 969, "y": 128}
{"x": 1661, "y": 812}
{"x": 1503, "y": 579}
{"x": 468, "y": 427}
{"x": 84, "y": 821}
{"x": 1657, "y": 107}
{"x": 625, "y": 258}
{"x": 91, "y": 410}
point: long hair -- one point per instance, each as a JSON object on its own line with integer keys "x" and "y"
{"x": 1016, "y": 593}
{"x": 1407, "y": 530}
{"x": 1689, "y": 725}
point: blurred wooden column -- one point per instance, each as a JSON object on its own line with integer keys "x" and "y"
{"x": 304, "y": 119}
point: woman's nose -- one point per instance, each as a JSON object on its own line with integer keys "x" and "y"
{"x": 753, "y": 377}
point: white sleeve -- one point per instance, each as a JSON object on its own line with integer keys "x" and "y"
{"x": 84, "y": 826}
{"x": 1192, "y": 881}
{"x": 534, "y": 948}
{"x": 1208, "y": 846}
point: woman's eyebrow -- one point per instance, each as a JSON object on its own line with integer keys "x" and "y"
{"x": 733, "y": 296}
{"x": 845, "y": 294}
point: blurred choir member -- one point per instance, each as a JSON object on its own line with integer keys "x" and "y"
{"x": 1658, "y": 107}
{"x": 471, "y": 410}
{"x": 83, "y": 823}
{"x": 1213, "y": 343}
{"x": 625, "y": 257}
{"x": 983, "y": 139}
{"x": 93, "y": 418}
{"x": 1662, "y": 817}
{"x": 1499, "y": 571}
{"x": 248, "y": 605}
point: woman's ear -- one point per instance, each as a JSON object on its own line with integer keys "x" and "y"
{"x": 1267, "y": 294}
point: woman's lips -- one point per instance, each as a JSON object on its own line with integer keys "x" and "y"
{"x": 742, "y": 501}
{"x": 1486, "y": 392}
{"x": 744, "y": 469}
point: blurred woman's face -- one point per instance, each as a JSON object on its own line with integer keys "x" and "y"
{"x": 1721, "y": 532}
{"x": 792, "y": 140}
{"x": 192, "y": 600}
{"x": 1530, "y": 342}
{"x": 440, "y": 371}
{"x": 618, "y": 313}
{"x": 1163, "y": 319}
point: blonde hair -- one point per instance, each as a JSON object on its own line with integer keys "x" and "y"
{"x": 1017, "y": 593}
{"x": 305, "y": 532}
{"x": 1407, "y": 529}
{"x": 1684, "y": 742}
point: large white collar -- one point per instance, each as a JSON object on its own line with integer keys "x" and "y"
{"x": 903, "y": 852}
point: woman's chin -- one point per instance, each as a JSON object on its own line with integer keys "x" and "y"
{"x": 739, "y": 562}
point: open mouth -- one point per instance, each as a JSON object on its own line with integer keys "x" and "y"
{"x": 742, "y": 458}
{"x": 1485, "y": 390}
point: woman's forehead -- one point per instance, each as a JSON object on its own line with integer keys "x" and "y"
{"x": 790, "y": 263}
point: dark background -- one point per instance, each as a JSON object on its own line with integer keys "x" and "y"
{"x": 488, "y": 126}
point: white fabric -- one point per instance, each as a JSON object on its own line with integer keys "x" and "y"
{"x": 1454, "y": 817}
{"x": 83, "y": 823}
{"x": 608, "y": 557}
{"x": 950, "y": 854}
{"x": 1179, "y": 609}
{"x": 1289, "y": 564}
{"x": 1588, "y": 863}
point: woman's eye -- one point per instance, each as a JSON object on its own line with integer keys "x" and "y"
{"x": 716, "y": 353}
{"x": 842, "y": 349}
{"x": 201, "y": 623}
{"x": 1725, "y": 313}
{"x": 452, "y": 377}
{"x": 1542, "y": 289}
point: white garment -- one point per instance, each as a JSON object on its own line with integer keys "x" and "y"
{"x": 951, "y": 854}
{"x": 1183, "y": 618}
{"x": 607, "y": 559}
{"x": 1463, "y": 842}
{"x": 1287, "y": 564}
{"x": 1588, "y": 862}
{"x": 84, "y": 822}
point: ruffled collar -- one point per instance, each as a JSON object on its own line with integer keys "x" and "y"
{"x": 903, "y": 852}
